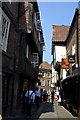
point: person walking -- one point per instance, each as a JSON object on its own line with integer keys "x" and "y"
{"x": 30, "y": 98}
{"x": 37, "y": 97}
{"x": 52, "y": 96}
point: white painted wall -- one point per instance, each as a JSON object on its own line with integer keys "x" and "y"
{"x": 54, "y": 75}
{"x": 60, "y": 52}
{"x": 64, "y": 74}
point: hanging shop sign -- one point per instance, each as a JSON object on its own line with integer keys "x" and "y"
{"x": 71, "y": 58}
{"x": 65, "y": 63}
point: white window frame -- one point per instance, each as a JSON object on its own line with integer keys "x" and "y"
{"x": 39, "y": 36}
{"x": 35, "y": 59}
{"x": 6, "y": 28}
{"x": 37, "y": 21}
{"x": 43, "y": 83}
{"x": 73, "y": 48}
{"x": 44, "y": 75}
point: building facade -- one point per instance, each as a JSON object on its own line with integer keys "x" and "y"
{"x": 22, "y": 50}
{"x": 59, "y": 34}
{"x": 71, "y": 84}
{"x": 54, "y": 76}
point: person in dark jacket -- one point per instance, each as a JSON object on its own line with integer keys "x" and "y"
{"x": 37, "y": 97}
{"x": 52, "y": 96}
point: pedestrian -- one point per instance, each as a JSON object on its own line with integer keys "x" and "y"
{"x": 61, "y": 95}
{"x": 49, "y": 95}
{"x": 30, "y": 98}
{"x": 56, "y": 95}
{"x": 45, "y": 96}
{"x": 37, "y": 97}
{"x": 52, "y": 96}
{"x": 41, "y": 97}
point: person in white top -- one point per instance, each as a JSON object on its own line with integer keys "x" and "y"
{"x": 31, "y": 95}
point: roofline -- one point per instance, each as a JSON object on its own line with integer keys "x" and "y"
{"x": 63, "y": 43}
{"x": 45, "y": 69}
{"x": 61, "y": 25}
{"x": 72, "y": 24}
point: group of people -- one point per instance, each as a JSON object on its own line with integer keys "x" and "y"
{"x": 51, "y": 96}
{"x": 29, "y": 97}
{"x": 32, "y": 96}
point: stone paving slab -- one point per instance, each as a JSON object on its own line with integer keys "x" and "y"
{"x": 62, "y": 112}
{"x": 59, "y": 113}
{"x": 47, "y": 111}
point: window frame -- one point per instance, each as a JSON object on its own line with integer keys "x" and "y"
{"x": 6, "y": 28}
{"x": 27, "y": 51}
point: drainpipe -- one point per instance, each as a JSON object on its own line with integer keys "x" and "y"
{"x": 0, "y": 64}
{"x": 1, "y": 85}
{"x": 78, "y": 43}
{"x": 77, "y": 40}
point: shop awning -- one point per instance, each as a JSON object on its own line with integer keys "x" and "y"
{"x": 76, "y": 73}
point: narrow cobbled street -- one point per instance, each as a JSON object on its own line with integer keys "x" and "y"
{"x": 55, "y": 111}
{"x": 39, "y": 60}
{"x": 46, "y": 110}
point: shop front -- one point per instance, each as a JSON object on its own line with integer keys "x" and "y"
{"x": 71, "y": 92}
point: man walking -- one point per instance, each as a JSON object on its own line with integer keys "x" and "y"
{"x": 52, "y": 96}
{"x": 30, "y": 98}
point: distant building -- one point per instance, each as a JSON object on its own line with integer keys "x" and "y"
{"x": 45, "y": 76}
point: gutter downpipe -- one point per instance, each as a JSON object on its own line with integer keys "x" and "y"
{"x": 77, "y": 41}
{"x": 78, "y": 12}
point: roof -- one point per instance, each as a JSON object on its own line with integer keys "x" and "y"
{"x": 59, "y": 33}
{"x": 77, "y": 11}
{"x": 45, "y": 65}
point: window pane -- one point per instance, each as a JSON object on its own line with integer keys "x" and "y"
{"x": 5, "y": 30}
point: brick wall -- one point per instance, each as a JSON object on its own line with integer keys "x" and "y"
{"x": 73, "y": 34}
